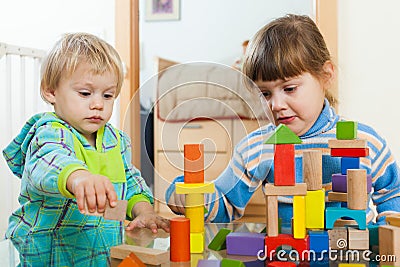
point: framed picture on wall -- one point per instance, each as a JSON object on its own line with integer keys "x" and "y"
{"x": 157, "y": 10}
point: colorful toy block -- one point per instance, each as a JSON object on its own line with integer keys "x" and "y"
{"x": 283, "y": 135}
{"x": 299, "y": 189}
{"x": 284, "y": 173}
{"x": 209, "y": 263}
{"x": 351, "y": 265}
{"x": 312, "y": 169}
{"x": 299, "y": 217}
{"x": 272, "y": 217}
{"x": 337, "y": 197}
{"x": 219, "y": 240}
{"x": 357, "y": 239}
{"x": 148, "y": 256}
{"x": 247, "y": 244}
{"x": 193, "y": 163}
{"x": 339, "y": 182}
{"x": 373, "y": 231}
{"x": 346, "y": 130}
{"x": 315, "y": 209}
{"x": 196, "y": 216}
{"x": 273, "y": 242}
{"x": 131, "y": 261}
{"x": 319, "y": 241}
{"x": 357, "y": 198}
{"x": 333, "y": 213}
{"x": 194, "y": 200}
{"x": 389, "y": 244}
{"x": 281, "y": 264}
{"x": 232, "y": 263}
{"x": 349, "y": 152}
{"x": 355, "y": 143}
{"x": 349, "y": 163}
{"x": 117, "y": 213}
{"x": 196, "y": 242}
{"x": 338, "y": 238}
{"x": 393, "y": 219}
{"x": 180, "y": 239}
{"x": 194, "y": 188}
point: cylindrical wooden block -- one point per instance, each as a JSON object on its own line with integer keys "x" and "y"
{"x": 312, "y": 169}
{"x": 356, "y": 189}
{"x": 180, "y": 239}
{"x": 196, "y": 217}
{"x": 193, "y": 163}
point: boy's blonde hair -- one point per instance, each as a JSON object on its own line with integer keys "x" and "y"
{"x": 74, "y": 48}
{"x": 287, "y": 47}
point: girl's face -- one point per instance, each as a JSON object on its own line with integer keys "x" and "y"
{"x": 296, "y": 102}
{"x": 85, "y": 100}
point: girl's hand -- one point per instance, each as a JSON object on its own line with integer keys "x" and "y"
{"x": 91, "y": 190}
{"x": 145, "y": 217}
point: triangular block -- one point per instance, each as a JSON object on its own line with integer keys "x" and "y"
{"x": 283, "y": 135}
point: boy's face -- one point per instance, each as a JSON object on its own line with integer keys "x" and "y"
{"x": 296, "y": 102}
{"x": 85, "y": 100}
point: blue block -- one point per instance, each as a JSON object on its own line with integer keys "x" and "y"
{"x": 349, "y": 163}
{"x": 255, "y": 263}
{"x": 208, "y": 263}
{"x": 319, "y": 241}
{"x": 332, "y": 214}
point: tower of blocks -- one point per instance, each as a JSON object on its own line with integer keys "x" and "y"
{"x": 194, "y": 189}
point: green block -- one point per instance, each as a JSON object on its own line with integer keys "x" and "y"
{"x": 283, "y": 135}
{"x": 346, "y": 130}
{"x": 373, "y": 235}
{"x": 219, "y": 241}
{"x": 231, "y": 263}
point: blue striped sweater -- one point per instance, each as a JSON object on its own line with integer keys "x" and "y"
{"x": 252, "y": 164}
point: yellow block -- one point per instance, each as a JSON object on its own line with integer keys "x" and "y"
{"x": 393, "y": 219}
{"x": 197, "y": 242}
{"x": 315, "y": 209}
{"x": 194, "y": 259}
{"x": 299, "y": 217}
{"x": 351, "y": 265}
{"x": 194, "y": 200}
{"x": 196, "y": 216}
{"x": 185, "y": 188}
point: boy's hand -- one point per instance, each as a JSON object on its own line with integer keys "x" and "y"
{"x": 93, "y": 189}
{"x": 177, "y": 203}
{"x": 145, "y": 217}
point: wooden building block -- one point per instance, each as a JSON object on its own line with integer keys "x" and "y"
{"x": 196, "y": 217}
{"x": 117, "y": 213}
{"x": 344, "y": 223}
{"x": 131, "y": 261}
{"x": 209, "y": 263}
{"x": 281, "y": 264}
{"x": 299, "y": 189}
{"x": 389, "y": 243}
{"x": 338, "y": 238}
{"x": 194, "y": 200}
{"x": 349, "y": 163}
{"x": 319, "y": 241}
{"x": 350, "y": 152}
{"x": 299, "y": 217}
{"x": 284, "y": 173}
{"x": 146, "y": 255}
{"x": 351, "y": 265}
{"x": 273, "y": 242}
{"x": 196, "y": 242}
{"x": 179, "y": 239}
{"x": 357, "y": 239}
{"x": 246, "y": 244}
{"x": 332, "y": 214}
{"x": 339, "y": 182}
{"x": 346, "y": 130}
{"x": 283, "y": 135}
{"x": 271, "y": 203}
{"x": 194, "y": 188}
{"x": 393, "y": 219}
{"x": 231, "y": 263}
{"x": 357, "y": 199}
{"x": 193, "y": 163}
{"x": 315, "y": 209}
{"x": 312, "y": 169}
{"x": 355, "y": 143}
{"x": 337, "y": 197}
{"x": 219, "y": 240}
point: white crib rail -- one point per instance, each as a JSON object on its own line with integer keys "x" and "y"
{"x": 19, "y": 82}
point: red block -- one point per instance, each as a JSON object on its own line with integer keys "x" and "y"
{"x": 193, "y": 163}
{"x": 179, "y": 239}
{"x": 349, "y": 152}
{"x": 281, "y": 263}
{"x": 284, "y": 173}
{"x": 273, "y": 242}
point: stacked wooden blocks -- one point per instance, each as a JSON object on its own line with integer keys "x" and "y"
{"x": 194, "y": 189}
{"x": 389, "y": 239}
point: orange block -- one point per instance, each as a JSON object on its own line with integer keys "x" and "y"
{"x": 284, "y": 173}
{"x": 132, "y": 261}
{"x": 179, "y": 239}
{"x": 193, "y": 163}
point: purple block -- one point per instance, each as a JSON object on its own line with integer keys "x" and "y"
{"x": 248, "y": 244}
{"x": 208, "y": 263}
{"x": 339, "y": 183}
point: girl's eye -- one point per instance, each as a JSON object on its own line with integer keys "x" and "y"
{"x": 84, "y": 93}
{"x": 266, "y": 94}
{"x": 108, "y": 96}
{"x": 290, "y": 89}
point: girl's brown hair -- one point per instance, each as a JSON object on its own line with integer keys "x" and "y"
{"x": 287, "y": 47}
